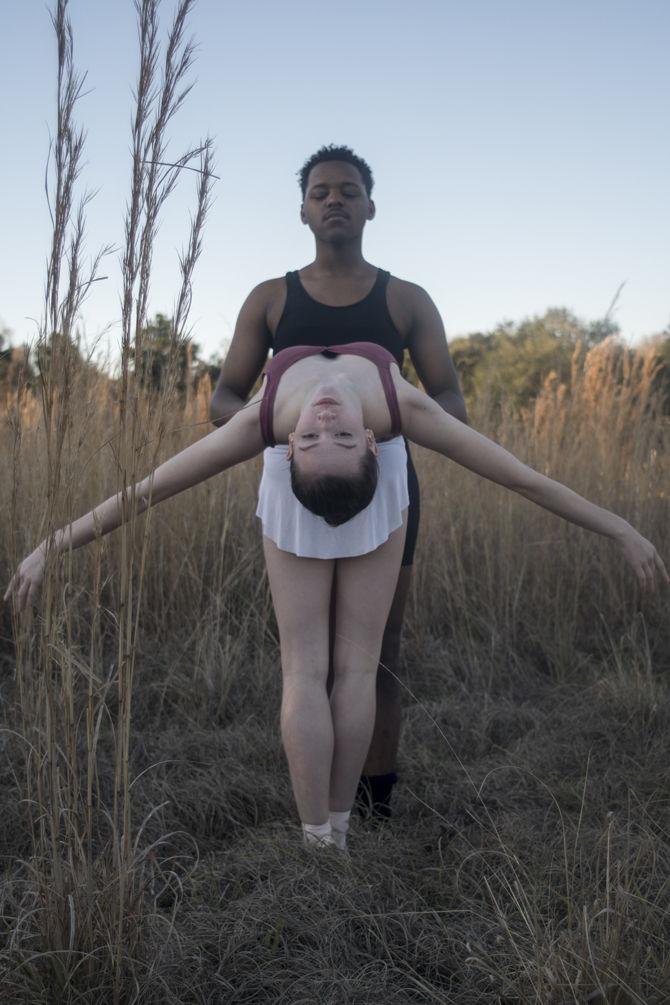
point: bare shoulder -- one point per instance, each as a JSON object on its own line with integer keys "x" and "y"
{"x": 272, "y": 292}
{"x": 411, "y": 400}
{"x": 264, "y": 294}
{"x": 406, "y": 302}
{"x": 407, "y": 293}
{"x": 253, "y": 402}
{"x": 247, "y": 419}
{"x": 268, "y": 287}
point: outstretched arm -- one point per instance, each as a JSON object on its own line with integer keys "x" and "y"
{"x": 427, "y": 424}
{"x": 238, "y": 441}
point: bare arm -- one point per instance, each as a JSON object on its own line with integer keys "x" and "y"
{"x": 429, "y": 352}
{"x": 238, "y": 441}
{"x": 246, "y": 355}
{"x": 429, "y": 426}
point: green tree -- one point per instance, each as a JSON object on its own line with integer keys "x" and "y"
{"x": 15, "y": 367}
{"x": 158, "y": 342}
{"x": 468, "y": 354}
{"x": 515, "y": 358}
{"x": 5, "y": 352}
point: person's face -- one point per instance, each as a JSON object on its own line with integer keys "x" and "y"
{"x": 336, "y": 206}
{"x": 329, "y": 436}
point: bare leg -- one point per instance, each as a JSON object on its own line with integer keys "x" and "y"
{"x": 383, "y": 753}
{"x": 301, "y": 589}
{"x": 365, "y": 588}
{"x": 331, "y": 634}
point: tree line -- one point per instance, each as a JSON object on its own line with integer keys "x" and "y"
{"x": 512, "y": 361}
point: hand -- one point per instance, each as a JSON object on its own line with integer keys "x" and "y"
{"x": 26, "y": 581}
{"x": 644, "y": 559}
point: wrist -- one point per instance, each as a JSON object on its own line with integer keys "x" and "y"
{"x": 54, "y": 543}
{"x": 39, "y": 553}
{"x": 621, "y": 530}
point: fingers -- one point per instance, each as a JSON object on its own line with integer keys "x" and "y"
{"x": 650, "y": 576}
{"x": 24, "y": 586}
{"x": 22, "y": 595}
{"x": 662, "y": 569}
{"x": 9, "y": 589}
{"x": 23, "y": 589}
{"x": 643, "y": 579}
{"x": 649, "y": 569}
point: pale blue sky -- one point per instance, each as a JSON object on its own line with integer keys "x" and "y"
{"x": 520, "y": 150}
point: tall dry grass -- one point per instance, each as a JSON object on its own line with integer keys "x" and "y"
{"x": 605, "y": 437}
{"x": 149, "y": 839}
{"x": 87, "y": 891}
{"x": 533, "y": 753}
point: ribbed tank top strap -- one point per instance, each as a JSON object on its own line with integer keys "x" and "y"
{"x": 378, "y": 291}
{"x": 294, "y": 290}
{"x": 273, "y": 372}
{"x": 382, "y": 359}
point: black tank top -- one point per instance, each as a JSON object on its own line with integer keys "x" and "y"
{"x": 305, "y": 321}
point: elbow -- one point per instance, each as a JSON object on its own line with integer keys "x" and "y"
{"x": 215, "y": 411}
{"x": 453, "y": 402}
{"x": 525, "y": 481}
{"x": 144, "y": 497}
{"x": 223, "y": 406}
{"x": 461, "y": 411}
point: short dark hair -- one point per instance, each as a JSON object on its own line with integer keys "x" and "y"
{"x": 335, "y": 497}
{"x": 334, "y": 153}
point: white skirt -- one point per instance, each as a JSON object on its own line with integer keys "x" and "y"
{"x": 294, "y": 528}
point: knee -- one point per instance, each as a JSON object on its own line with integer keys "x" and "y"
{"x": 298, "y": 673}
{"x": 354, "y": 665}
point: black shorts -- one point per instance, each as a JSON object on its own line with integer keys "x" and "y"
{"x": 414, "y": 511}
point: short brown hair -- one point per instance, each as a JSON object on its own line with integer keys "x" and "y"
{"x": 334, "y": 497}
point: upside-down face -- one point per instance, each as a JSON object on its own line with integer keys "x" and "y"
{"x": 330, "y": 437}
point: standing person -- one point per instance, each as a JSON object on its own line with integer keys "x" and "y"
{"x": 338, "y": 298}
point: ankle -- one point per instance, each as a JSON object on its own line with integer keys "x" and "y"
{"x": 317, "y": 834}
{"x": 339, "y": 822}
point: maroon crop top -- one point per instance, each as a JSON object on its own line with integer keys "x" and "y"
{"x": 280, "y": 363}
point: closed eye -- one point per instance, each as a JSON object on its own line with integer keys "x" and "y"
{"x": 314, "y": 436}
{"x": 340, "y": 436}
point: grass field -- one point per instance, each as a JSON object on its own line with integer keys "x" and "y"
{"x": 151, "y": 849}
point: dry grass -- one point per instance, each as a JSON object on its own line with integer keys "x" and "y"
{"x": 528, "y": 860}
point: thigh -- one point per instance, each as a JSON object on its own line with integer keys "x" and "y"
{"x": 301, "y": 589}
{"x": 365, "y": 587}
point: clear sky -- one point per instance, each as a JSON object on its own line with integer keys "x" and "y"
{"x": 520, "y": 149}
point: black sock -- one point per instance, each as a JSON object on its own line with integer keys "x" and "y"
{"x": 373, "y": 796}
